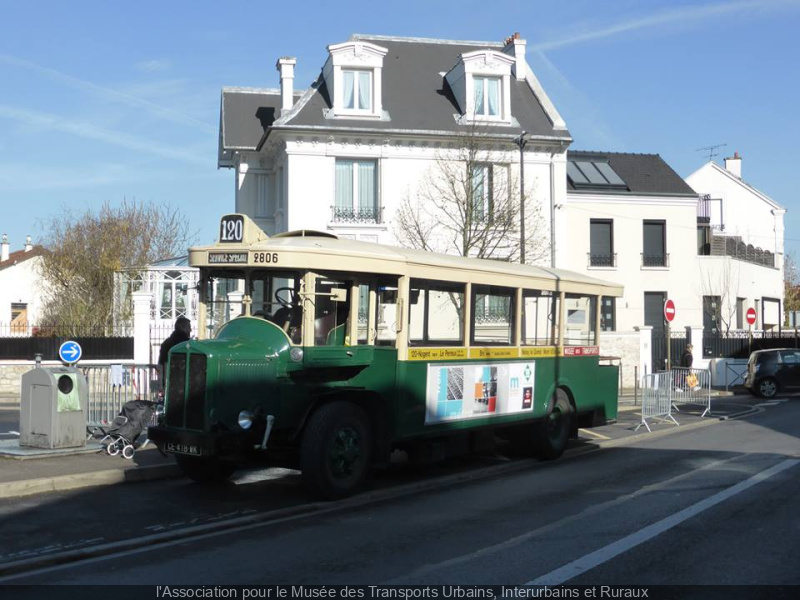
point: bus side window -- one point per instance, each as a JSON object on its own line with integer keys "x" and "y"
{"x": 386, "y": 313}
{"x": 580, "y": 320}
{"x": 539, "y": 318}
{"x": 492, "y": 315}
{"x": 436, "y": 315}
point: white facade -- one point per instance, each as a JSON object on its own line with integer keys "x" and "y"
{"x": 740, "y": 214}
{"x": 288, "y": 180}
{"x": 21, "y": 291}
{"x": 300, "y": 185}
{"x": 679, "y": 278}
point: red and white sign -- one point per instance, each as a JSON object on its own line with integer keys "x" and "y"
{"x": 751, "y": 316}
{"x": 669, "y": 310}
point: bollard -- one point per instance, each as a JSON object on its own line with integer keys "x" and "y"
{"x": 38, "y": 358}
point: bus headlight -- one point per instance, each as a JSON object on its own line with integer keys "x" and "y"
{"x": 296, "y": 354}
{"x": 245, "y": 419}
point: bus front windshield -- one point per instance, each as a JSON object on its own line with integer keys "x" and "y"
{"x": 272, "y": 295}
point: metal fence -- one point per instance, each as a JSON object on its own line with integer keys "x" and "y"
{"x": 656, "y": 400}
{"x": 739, "y": 344}
{"x": 691, "y": 386}
{"x": 111, "y": 386}
{"x": 662, "y": 392}
{"x": 24, "y": 341}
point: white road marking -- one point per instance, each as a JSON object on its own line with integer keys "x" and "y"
{"x": 595, "y": 434}
{"x": 598, "y": 557}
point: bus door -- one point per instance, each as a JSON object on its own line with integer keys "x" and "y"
{"x": 336, "y": 331}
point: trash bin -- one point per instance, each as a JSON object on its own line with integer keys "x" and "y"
{"x": 54, "y": 403}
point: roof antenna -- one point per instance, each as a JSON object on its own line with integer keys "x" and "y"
{"x": 711, "y": 153}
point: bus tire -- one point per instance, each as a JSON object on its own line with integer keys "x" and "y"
{"x": 335, "y": 450}
{"x": 553, "y": 433}
{"x": 209, "y": 469}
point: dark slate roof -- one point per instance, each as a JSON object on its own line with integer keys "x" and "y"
{"x": 416, "y": 96}
{"x": 642, "y": 173}
{"x": 246, "y": 115}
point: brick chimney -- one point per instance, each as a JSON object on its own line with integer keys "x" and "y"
{"x": 514, "y": 46}
{"x": 285, "y": 66}
{"x": 734, "y": 165}
{"x": 4, "y": 248}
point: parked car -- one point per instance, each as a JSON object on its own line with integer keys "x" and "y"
{"x": 771, "y": 371}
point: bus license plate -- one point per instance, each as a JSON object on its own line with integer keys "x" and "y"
{"x": 183, "y": 449}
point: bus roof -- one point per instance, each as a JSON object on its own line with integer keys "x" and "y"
{"x": 322, "y": 251}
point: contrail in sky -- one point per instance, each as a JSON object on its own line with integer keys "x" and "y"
{"x": 50, "y": 121}
{"x": 156, "y": 109}
{"x": 680, "y": 15}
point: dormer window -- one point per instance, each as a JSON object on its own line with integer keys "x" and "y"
{"x": 487, "y": 96}
{"x": 353, "y": 76}
{"x": 357, "y": 90}
{"x": 481, "y": 84}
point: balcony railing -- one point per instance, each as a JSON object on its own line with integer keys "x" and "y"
{"x": 655, "y": 260}
{"x": 372, "y": 214}
{"x": 602, "y": 260}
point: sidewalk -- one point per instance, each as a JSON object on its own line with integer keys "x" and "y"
{"x": 90, "y": 467}
{"x": 64, "y": 472}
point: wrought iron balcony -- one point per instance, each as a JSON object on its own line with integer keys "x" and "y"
{"x": 372, "y": 214}
{"x": 655, "y": 260}
{"x": 602, "y": 260}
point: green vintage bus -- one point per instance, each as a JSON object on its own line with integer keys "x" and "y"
{"x": 328, "y": 354}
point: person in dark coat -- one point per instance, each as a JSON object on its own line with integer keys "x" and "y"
{"x": 183, "y": 328}
{"x": 686, "y": 357}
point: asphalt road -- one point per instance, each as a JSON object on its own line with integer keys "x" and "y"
{"x": 712, "y": 505}
{"x": 9, "y": 422}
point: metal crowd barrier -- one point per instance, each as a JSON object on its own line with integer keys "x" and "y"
{"x": 662, "y": 392}
{"x": 656, "y": 399}
{"x": 112, "y": 385}
{"x": 691, "y": 386}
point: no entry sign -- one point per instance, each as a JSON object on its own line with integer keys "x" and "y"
{"x": 669, "y": 310}
{"x": 751, "y": 316}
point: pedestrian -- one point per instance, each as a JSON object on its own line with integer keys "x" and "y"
{"x": 183, "y": 327}
{"x": 686, "y": 357}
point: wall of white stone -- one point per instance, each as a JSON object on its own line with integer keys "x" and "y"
{"x": 624, "y": 345}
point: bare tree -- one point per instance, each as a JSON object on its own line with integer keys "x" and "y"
{"x": 468, "y": 203}
{"x": 791, "y": 289}
{"x": 722, "y": 283}
{"x": 85, "y": 250}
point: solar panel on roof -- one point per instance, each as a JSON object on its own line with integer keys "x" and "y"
{"x": 575, "y": 173}
{"x": 592, "y": 174}
{"x": 609, "y": 173}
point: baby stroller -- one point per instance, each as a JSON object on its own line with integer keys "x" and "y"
{"x": 120, "y": 435}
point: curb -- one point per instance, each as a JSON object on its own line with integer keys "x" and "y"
{"x": 60, "y": 483}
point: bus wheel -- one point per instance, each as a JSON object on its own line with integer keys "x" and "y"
{"x": 554, "y": 432}
{"x": 335, "y": 450}
{"x": 205, "y": 469}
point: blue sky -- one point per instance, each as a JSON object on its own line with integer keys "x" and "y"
{"x": 104, "y": 101}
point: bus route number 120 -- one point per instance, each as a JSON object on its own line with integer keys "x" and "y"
{"x": 269, "y": 258}
{"x": 231, "y": 228}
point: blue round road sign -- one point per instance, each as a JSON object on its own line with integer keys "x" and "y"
{"x": 70, "y": 352}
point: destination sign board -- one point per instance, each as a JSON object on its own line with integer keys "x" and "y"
{"x": 227, "y": 258}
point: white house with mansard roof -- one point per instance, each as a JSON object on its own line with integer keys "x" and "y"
{"x": 343, "y": 154}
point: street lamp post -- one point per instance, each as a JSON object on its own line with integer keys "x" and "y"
{"x": 521, "y": 141}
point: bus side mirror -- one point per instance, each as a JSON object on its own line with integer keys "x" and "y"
{"x": 339, "y": 295}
